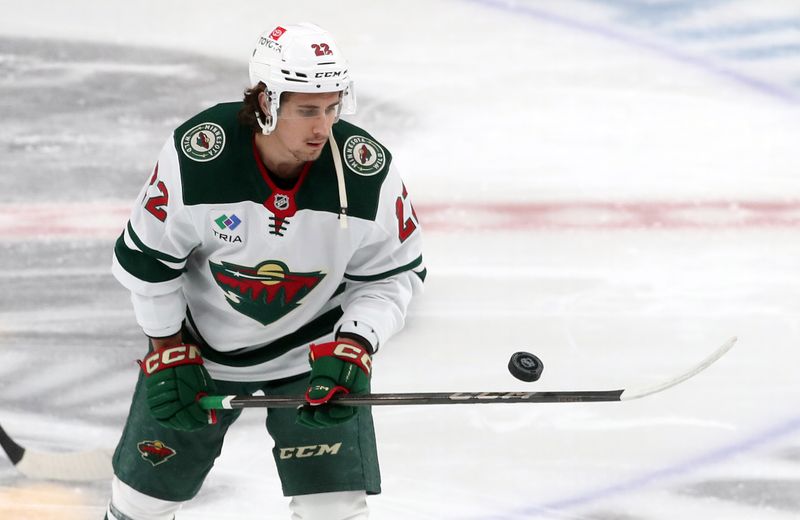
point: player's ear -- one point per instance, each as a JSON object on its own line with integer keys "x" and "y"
{"x": 263, "y": 102}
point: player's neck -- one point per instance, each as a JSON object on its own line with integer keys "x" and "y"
{"x": 279, "y": 162}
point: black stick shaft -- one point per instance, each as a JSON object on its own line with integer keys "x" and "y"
{"x": 293, "y": 401}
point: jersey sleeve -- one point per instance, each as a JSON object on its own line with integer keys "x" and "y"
{"x": 387, "y": 270}
{"x": 151, "y": 254}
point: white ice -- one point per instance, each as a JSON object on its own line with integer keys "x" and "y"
{"x": 599, "y": 108}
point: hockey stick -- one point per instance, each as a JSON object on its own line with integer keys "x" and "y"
{"x": 625, "y": 394}
{"x": 74, "y": 466}
{"x": 96, "y": 464}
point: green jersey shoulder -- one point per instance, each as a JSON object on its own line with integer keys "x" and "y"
{"x": 216, "y": 156}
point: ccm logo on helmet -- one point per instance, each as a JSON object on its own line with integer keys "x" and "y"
{"x": 330, "y": 74}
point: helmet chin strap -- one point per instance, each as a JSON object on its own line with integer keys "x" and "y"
{"x": 337, "y": 164}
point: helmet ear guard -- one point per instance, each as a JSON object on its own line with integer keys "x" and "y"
{"x": 270, "y": 119}
{"x": 300, "y": 58}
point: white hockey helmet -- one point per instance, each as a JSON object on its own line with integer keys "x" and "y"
{"x": 299, "y": 58}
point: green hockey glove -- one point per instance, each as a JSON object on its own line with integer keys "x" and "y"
{"x": 175, "y": 381}
{"x": 336, "y": 367}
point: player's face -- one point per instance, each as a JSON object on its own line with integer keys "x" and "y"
{"x": 304, "y": 123}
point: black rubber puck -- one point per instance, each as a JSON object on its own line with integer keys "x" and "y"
{"x": 525, "y": 366}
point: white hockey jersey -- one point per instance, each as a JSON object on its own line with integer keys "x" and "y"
{"x": 264, "y": 271}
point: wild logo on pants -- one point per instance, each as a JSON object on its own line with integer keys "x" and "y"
{"x": 155, "y": 452}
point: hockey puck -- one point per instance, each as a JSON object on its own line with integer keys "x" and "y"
{"x": 525, "y": 366}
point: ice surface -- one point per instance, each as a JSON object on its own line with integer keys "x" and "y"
{"x": 611, "y": 185}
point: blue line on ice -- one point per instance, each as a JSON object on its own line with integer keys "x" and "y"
{"x": 556, "y": 508}
{"x": 753, "y": 83}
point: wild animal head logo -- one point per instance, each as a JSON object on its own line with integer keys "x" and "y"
{"x": 364, "y": 154}
{"x": 203, "y": 140}
{"x": 266, "y": 292}
{"x": 155, "y": 452}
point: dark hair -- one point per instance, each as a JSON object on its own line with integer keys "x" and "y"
{"x": 247, "y": 114}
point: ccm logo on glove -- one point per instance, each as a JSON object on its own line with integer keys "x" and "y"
{"x": 344, "y": 351}
{"x": 171, "y": 357}
{"x": 337, "y": 367}
{"x": 176, "y": 380}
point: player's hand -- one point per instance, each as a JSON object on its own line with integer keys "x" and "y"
{"x": 337, "y": 367}
{"x": 175, "y": 381}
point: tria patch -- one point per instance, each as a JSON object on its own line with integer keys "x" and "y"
{"x": 364, "y": 156}
{"x": 266, "y": 292}
{"x": 224, "y": 227}
{"x": 204, "y": 142}
{"x": 155, "y": 452}
{"x": 226, "y": 222}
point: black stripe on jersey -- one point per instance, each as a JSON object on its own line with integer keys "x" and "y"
{"x": 315, "y": 329}
{"x": 152, "y": 252}
{"x": 142, "y": 266}
{"x": 387, "y": 274}
{"x": 339, "y": 290}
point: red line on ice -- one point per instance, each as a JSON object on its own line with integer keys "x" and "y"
{"x": 515, "y": 216}
{"x": 106, "y": 220}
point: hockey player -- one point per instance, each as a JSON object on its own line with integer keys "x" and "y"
{"x": 271, "y": 239}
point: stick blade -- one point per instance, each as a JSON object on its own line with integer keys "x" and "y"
{"x": 81, "y": 466}
{"x": 632, "y": 393}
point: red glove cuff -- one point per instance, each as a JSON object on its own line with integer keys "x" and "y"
{"x": 168, "y": 357}
{"x": 324, "y": 399}
{"x": 346, "y": 352}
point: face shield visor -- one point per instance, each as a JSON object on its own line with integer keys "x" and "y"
{"x": 344, "y": 106}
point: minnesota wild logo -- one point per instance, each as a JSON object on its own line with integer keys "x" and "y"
{"x": 363, "y": 155}
{"x": 203, "y": 142}
{"x": 155, "y": 452}
{"x": 266, "y": 292}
